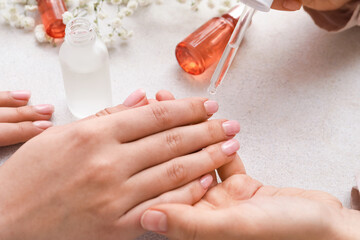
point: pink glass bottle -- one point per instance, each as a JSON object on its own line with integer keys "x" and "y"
{"x": 204, "y": 47}
{"x": 51, "y": 12}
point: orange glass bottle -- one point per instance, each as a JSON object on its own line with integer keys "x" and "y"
{"x": 205, "y": 46}
{"x": 51, "y": 12}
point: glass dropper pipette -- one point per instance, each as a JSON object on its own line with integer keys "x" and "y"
{"x": 235, "y": 40}
{"x": 231, "y": 48}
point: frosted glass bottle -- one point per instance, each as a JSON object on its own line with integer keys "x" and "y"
{"x": 84, "y": 63}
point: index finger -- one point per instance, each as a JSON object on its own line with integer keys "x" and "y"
{"x": 140, "y": 122}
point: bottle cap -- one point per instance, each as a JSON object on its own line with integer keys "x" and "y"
{"x": 261, "y": 5}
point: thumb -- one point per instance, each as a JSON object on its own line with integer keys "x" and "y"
{"x": 287, "y": 5}
{"x": 180, "y": 221}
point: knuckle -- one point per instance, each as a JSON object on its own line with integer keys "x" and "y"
{"x": 21, "y": 127}
{"x": 214, "y": 156}
{"x": 103, "y": 112}
{"x": 161, "y": 114}
{"x": 21, "y": 111}
{"x": 173, "y": 140}
{"x": 213, "y": 128}
{"x": 176, "y": 172}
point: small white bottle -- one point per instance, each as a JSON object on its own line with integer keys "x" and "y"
{"x": 84, "y": 63}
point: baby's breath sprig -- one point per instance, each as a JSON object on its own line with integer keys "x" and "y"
{"x": 108, "y": 15}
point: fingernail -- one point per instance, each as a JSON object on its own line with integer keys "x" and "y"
{"x": 230, "y": 146}
{"x": 44, "y": 108}
{"x": 206, "y": 181}
{"x": 292, "y": 5}
{"x": 154, "y": 221}
{"x": 211, "y": 107}
{"x": 134, "y": 98}
{"x": 43, "y": 124}
{"x": 20, "y": 95}
{"x": 231, "y": 127}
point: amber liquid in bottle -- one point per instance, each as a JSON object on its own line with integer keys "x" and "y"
{"x": 51, "y": 12}
{"x": 204, "y": 47}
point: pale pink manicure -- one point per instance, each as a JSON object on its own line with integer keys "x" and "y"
{"x": 154, "y": 221}
{"x": 20, "y": 95}
{"x": 292, "y": 5}
{"x": 44, "y": 108}
{"x": 230, "y": 146}
{"x": 211, "y": 107}
{"x": 206, "y": 181}
{"x": 43, "y": 124}
{"x": 231, "y": 127}
{"x": 134, "y": 98}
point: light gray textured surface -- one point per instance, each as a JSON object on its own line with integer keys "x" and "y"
{"x": 294, "y": 88}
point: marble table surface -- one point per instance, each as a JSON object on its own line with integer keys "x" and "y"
{"x": 294, "y": 88}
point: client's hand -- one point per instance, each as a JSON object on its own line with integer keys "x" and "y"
{"x": 242, "y": 208}
{"x": 93, "y": 179}
{"x": 18, "y": 122}
{"x": 321, "y": 5}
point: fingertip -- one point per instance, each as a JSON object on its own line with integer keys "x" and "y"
{"x": 154, "y": 220}
{"x": 23, "y": 95}
{"x": 135, "y": 98}
{"x": 286, "y": 5}
{"x": 164, "y": 95}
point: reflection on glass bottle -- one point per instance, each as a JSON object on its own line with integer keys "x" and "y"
{"x": 84, "y": 62}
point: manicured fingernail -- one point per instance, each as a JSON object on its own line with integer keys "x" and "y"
{"x": 292, "y": 5}
{"x": 206, "y": 181}
{"x": 154, "y": 221}
{"x": 134, "y": 98}
{"x": 230, "y": 146}
{"x": 231, "y": 127}
{"x": 211, "y": 107}
{"x": 20, "y": 95}
{"x": 44, "y": 108}
{"x": 43, "y": 124}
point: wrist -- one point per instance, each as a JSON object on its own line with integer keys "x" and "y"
{"x": 348, "y": 225}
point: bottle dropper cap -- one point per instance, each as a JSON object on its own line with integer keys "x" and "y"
{"x": 261, "y": 5}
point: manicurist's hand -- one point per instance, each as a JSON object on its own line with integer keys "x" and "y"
{"x": 321, "y": 5}
{"x": 94, "y": 178}
{"x": 18, "y": 122}
{"x": 243, "y": 208}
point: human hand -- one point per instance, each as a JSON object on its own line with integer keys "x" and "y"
{"x": 18, "y": 122}
{"x": 243, "y": 208}
{"x": 321, "y": 5}
{"x": 93, "y": 179}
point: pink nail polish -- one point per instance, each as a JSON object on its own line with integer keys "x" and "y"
{"x": 155, "y": 221}
{"x": 230, "y": 147}
{"x": 44, "y": 108}
{"x": 43, "y": 124}
{"x": 231, "y": 127}
{"x": 211, "y": 107}
{"x": 20, "y": 95}
{"x": 206, "y": 181}
{"x": 134, "y": 98}
{"x": 292, "y": 5}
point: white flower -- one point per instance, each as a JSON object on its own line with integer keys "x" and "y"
{"x": 67, "y": 16}
{"x": 108, "y": 40}
{"x": 226, "y": 3}
{"x": 116, "y": 2}
{"x": 132, "y": 4}
{"x": 27, "y": 23}
{"x": 102, "y": 15}
{"x": 83, "y": 3}
{"x": 2, "y": 4}
{"x": 121, "y": 15}
{"x": 19, "y": 2}
{"x": 211, "y": 3}
{"x": 90, "y": 8}
{"x": 223, "y": 9}
{"x": 41, "y": 35}
{"x": 32, "y": 2}
{"x": 181, "y": 1}
{"x": 31, "y": 8}
{"x": 144, "y": 3}
{"x": 128, "y": 11}
{"x": 116, "y": 22}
